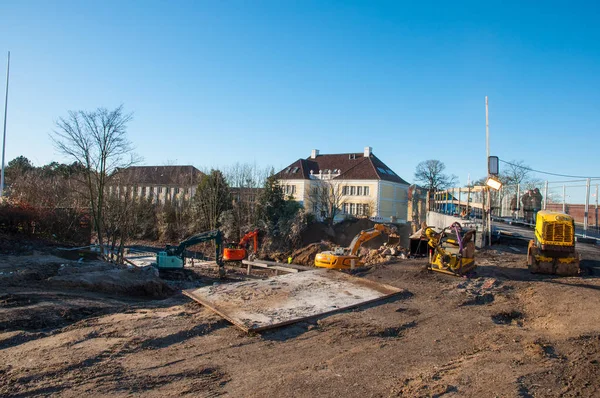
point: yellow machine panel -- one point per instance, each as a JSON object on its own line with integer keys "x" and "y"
{"x": 552, "y": 251}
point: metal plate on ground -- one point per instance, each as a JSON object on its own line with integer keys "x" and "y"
{"x": 278, "y": 301}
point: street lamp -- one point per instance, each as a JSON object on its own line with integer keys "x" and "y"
{"x": 493, "y": 183}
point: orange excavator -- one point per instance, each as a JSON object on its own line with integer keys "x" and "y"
{"x": 240, "y": 251}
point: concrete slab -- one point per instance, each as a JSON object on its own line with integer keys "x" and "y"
{"x": 286, "y": 299}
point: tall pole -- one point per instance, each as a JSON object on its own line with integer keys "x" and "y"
{"x": 487, "y": 131}
{"x": 587, "y": 207}
{"x": 487, "y": 153}
{"x": 4, "y": 136}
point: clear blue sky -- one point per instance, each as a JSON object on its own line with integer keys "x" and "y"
{"x": 217, "y": 82}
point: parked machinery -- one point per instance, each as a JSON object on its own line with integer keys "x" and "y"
{"x": 173, "y": 257}
{"x": 552, "y": 251}
{"x": 342, "y": 258}
{"x": 240, "y": 251}
{"x": 452, "y": 250}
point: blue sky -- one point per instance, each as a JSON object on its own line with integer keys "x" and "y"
{"x": 212, "y": 83}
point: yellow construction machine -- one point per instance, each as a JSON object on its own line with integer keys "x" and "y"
{"x": 552, "y": 251}
{"x": 345, "y": 258}
{"x": 453, "y": 250}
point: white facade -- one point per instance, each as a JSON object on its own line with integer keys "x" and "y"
{"x": 382, "y": 200}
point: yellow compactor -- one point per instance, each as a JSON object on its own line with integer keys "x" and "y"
{"x": 453, "y": 250}
{"x": 552, "y": 251}
{"x": 342, "y": 258}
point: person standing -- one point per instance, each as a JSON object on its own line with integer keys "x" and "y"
{"x": 536, "y": 203}
{"x": 526, "y": 202}
{"x": 513, "y": 207}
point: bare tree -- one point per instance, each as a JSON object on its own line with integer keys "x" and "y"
{"x": 325, "y": 198}
{"x": 98, "y": 141}
{"x": 431, "y": 174}
{"x": 246, "y": 181}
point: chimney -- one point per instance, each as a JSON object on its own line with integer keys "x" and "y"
{"x": 368, "y": 151}
{"x": 314, "y": 153}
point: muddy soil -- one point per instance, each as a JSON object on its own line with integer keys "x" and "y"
{"x": 504, "y": 332}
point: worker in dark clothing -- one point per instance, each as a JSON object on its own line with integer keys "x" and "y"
{"x": 514, "y": 207}
{"x": 536, "y": 203}
{"x": 527, "y": 206}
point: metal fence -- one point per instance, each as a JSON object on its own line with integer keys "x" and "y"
{"x": 578, "y": 198}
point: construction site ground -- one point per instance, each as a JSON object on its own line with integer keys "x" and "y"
{"x": 504, "y": 332}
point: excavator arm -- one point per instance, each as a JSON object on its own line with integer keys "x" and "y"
{"x": 174, "y": 256}
{"x": 368, "y": 234}
{"x": 250, "y": 235}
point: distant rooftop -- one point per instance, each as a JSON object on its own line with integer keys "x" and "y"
{"x": 160, "y": 175}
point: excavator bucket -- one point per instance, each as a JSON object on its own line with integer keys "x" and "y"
{"x": 393, "y": 239}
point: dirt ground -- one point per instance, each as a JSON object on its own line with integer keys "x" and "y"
{"x": 504, "y": 332}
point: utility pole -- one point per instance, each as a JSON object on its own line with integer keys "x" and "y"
{"x": 4, "y": 136}
{"x": 487, "y": 153}
{"x": 487, "y": 131}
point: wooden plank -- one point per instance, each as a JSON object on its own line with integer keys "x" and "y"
{"x": 264, "y": 304}
{"x": 295, "y": 266}
{"x": 267, "y": 266}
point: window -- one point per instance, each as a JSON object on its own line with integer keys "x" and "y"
{"x": 345, "y": 190}
{"x": 315, "y": 191}
{"x": 345, "y": 208}
{"x": 366, "y": 209}
{"x": 143, "y": 192}
{"x": 185, "y": 191}
{"x": 151, "y": 192}
{"x": 359, "y": 191}
{"x": 288, "y": 169}
{"x": 295, "y": 170}
{"x": 352, "y": 208}
{"x": 366, "y": 191}
{"x": 159, "y": 189}
{"x": 352, "y": 190}
{"x": 168, "y": 191}
{"x": 176, "y": 190}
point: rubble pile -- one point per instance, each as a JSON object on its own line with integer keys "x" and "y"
{"x": 383, "y": 254}
{"x": 307, "y": 254}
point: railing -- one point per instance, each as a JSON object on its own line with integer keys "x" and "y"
{"x": 578, "y": 198}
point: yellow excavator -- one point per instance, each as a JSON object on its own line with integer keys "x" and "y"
{"x": 552, "y": 251}
{"x": 453, "y": 250}
{"x": 346, "y": 258}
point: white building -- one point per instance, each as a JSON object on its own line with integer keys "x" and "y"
{"x": 365, "y": 185}
{"x": 158, "y": 183}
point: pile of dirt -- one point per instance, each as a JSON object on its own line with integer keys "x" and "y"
{"x": 317, "y": 232}
{"x": 383, "y": 254}
{"x": 346, "y": 230}
{"x": 16, "y": 244}
{"x": 343, "y": 232}
{"x": 481, "y": 291}
{"x": 306, "y": 255}
{"x": 111, "y": 278}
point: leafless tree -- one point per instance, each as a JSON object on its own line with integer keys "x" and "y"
{"x": 98, "y": 141}
{"x": 246, "y": 181}
{"x": 431, "y": 174}
{"x": 325, "y": 198}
